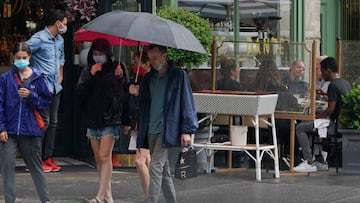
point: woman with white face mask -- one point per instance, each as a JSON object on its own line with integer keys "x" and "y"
{"x": 103, "y": 91}
{"x": 22, "y": 89}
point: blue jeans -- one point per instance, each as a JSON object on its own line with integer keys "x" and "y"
{"x": 50, "y": 117}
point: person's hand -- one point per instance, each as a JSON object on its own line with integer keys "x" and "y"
{"x": 95, "y": 68}
{"x": 24, "y": 92}
{"x": 126, "y": 129}
{"x": 4, "y": 136}
{"x": 60, "y": 78}
{"x": 118, "y": 71}
{"x": 320, "y": 92}
{"x": 185, "y": 139}
{"x": 134, "y": 89}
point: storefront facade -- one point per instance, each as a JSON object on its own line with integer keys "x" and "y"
{"x": 296, "y": 21}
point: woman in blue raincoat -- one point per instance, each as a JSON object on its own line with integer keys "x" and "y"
{"x": 22, "y": 89}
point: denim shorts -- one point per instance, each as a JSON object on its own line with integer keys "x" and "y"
{"x": 98, "y": 133}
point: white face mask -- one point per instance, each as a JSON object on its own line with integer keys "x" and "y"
{"x": 159, "y": 67}
{"x": 100, "y": 59}
{"x": 63, "y": 29}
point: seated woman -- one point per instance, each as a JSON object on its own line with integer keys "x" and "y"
{"x": 268, "y": 79}
{"x": 230, "y": 72}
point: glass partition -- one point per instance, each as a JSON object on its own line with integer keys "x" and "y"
{"x": 350, "y": 67}
{"x": 268, "y": 65}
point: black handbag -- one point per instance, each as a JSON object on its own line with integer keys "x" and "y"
{"x": 186, "y": 165}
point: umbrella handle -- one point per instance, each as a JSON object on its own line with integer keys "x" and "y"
{"x": 119, "y": 63}
{"x": 139, "y": 63}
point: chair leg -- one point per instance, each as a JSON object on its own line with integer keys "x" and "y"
{"x": 337, "y": 157}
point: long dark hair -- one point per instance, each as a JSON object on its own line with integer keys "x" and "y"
{"x": 21, "y": 46}
{"x": 268, "y": 77}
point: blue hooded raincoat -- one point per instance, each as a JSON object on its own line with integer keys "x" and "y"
{"x": 16, "y": 115}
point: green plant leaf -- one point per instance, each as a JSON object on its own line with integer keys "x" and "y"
{"x": 198, "y": 26}
{"x": 350, "y": 115}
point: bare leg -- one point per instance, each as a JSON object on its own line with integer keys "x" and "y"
{"x": 102, "y": 149}
{"x": 142, "y": 162}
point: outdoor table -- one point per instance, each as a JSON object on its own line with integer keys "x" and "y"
{"x": 237, "y": 103}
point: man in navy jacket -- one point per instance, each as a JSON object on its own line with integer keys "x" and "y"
{"x": 168, "y": 118}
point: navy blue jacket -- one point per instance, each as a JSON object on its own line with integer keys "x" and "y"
{"x": 179, "y": 114}
{"x": 16, "y": 115}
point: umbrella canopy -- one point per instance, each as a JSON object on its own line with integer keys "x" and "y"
{"x": 223, "y": 9}
{"x": 89, "y": 36}
{"x": 145, "y": 27}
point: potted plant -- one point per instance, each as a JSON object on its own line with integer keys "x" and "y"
{"x": 198, "y": 26}
{"x": 350, "y": 116}
{"x": 350, "y": 121}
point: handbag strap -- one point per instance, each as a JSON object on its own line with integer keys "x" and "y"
{"x": 17, "y": 79}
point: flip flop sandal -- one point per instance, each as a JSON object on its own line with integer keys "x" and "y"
{"x": 94, "y": 200}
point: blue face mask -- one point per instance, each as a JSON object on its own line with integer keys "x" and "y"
{"x": 159, "y": 67}
{"x": 21, "y": 64}
{"x": 100, "y": 59}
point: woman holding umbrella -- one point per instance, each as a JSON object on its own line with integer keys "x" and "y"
{"x": 142, "y": 156}
{"x": 102, "y": 88}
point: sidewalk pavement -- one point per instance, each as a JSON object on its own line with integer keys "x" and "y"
{"x": 78, "y": 180}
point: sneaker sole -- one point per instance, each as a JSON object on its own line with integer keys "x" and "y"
{"x": 56, "y": 170}
{"x": 47, "y": 171}
{"x": 306, "y": 171}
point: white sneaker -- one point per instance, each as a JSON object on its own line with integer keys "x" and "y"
{"x": 304, "y": 167}
{"x": 322, "y": 166}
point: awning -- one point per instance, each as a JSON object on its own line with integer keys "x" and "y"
{"x": 223, "y": 9}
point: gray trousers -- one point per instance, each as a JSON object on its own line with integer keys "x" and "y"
{"x": 50, "y": 116}
{"x": 30, "y": 149}
{"x": 302, "y": 134}
{"x": 160, "y": 177}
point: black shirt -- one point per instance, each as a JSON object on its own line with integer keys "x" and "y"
{"x": 228, "y": 84}
{"x": 337, "y": 88}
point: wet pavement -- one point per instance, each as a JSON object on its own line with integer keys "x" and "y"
{"x": 78, "y": 180}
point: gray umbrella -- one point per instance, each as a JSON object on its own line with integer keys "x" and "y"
{"x": 145, "y": 27}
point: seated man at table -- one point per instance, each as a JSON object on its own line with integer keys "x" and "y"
{"x": 293, "y": 82}
{"x": 337, "y": 88}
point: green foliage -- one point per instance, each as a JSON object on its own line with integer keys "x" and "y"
{"x": 350, "y": 116}
{"x": 198, "y": 26}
